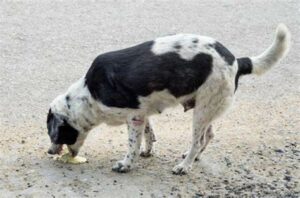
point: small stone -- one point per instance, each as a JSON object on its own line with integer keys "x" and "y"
{"x": 279, "y": 151}
{"x": 271, "y": 187}
{"x": 199, "y": 194}
{"x": 288, "y": 186}
{"x": 288, "y": 178}
{"x": 270, "y": 173}
{"x": 287, "y": 172}
{"x": 225, "y": 181}
{"x": 174, "y": 188}
{"x": 228, "y": 163}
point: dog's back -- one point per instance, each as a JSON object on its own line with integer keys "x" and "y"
{"x": 179, "y": 64}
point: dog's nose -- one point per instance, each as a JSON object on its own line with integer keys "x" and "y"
{"x": 51, "y": 152}
{"x": 55, "y": 149}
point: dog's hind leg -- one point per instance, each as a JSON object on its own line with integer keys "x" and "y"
{"x": 149, "y": 139}
{"x": 209, "y": 135}
{"x": 136, "y": 125}
{"x": 206, "y": 111}
{"x": 198, "y": 134}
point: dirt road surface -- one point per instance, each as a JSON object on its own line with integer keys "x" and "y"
{"x": 46, "y": 45}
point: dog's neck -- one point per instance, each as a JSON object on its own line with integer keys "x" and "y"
{"x": 78, "y": 106}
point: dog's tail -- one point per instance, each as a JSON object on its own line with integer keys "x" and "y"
{"x": 263, "y": 62}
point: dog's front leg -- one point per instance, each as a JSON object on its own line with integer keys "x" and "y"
{"x": 74, "y": 148}
{"x": 136, "y": 125}
{"x": 149, "y": 140}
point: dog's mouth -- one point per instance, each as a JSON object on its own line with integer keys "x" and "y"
{"x": 55, "y": 149}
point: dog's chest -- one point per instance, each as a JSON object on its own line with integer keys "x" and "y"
{"x": 114, "y": 116}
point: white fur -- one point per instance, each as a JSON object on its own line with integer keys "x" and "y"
{"x": 79, "y": 107}
{"x": 188, "y": 49}
{"x": 274, "y": 53}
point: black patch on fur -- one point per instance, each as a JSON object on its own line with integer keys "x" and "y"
{"x": 67, "y": 101}
{"x": 118, "y": 78}
{"x": 195, "y": 40}
{"x": 224, "y": 53}
{"x": 244, "y": 67}
{"x": 177, "y": 46}
{"x": 59, "y": 130}
{"x": 189, "y": 104}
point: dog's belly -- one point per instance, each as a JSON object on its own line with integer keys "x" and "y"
{"x": 154, "y": 103}
{"x": 159, "y": 101}
{"x": 114, "y": 116}
{"x": 114, "y": 122}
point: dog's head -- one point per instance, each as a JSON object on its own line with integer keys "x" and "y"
{"x": 60, "y": 132}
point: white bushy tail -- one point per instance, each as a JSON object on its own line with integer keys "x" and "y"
{"x": 274, "y": 53}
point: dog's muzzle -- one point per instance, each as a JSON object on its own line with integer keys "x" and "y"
{"x": 55, "y": 149}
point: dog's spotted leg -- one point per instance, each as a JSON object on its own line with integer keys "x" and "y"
{"x": 149, "y": 139}
{"x": 208, "y": 136}
{"x": 136, "y": 125}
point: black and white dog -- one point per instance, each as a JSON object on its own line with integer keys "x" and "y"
{"x": 129, "y": 85}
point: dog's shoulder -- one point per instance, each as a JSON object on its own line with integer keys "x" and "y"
{"x": 104, "y": 77}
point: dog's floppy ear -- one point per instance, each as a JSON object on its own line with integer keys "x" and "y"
{"x": 59, "y": 130}
{"x": 67, "y": 134}
{"x": 54, "y": 122}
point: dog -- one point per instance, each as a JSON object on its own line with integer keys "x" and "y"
{"x": 129, "y": 85}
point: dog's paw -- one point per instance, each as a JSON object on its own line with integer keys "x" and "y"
{"x": 185, "y": 154}
{"x": 121, "y": 167}
{"x": 180, "y": 169}
{"x": 146, "y": 154}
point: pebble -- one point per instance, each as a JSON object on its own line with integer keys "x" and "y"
{"x": 228, "y": 163}
{"x": 287, "y": 172}
{"x": 288, "y": 178}
{"x": 270, "y": 173}
{"x": 199, "y": 194}
{"x": 174, "y": 188}
{"x": 225, "y": 181}
{"x": 279, "y": 151}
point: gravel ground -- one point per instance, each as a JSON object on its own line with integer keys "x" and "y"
{"x": 47, "y": 45}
